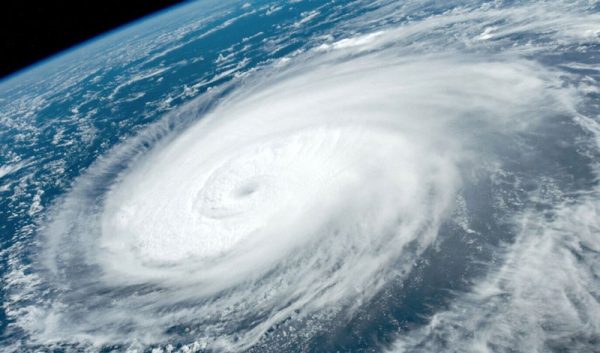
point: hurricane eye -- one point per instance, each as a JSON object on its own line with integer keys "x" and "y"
{"x": 246, "y": 190}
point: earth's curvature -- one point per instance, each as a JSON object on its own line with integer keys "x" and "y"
{"x": 309, "y": 176}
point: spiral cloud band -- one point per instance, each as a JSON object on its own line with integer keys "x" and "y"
{"x": 317, "y": 188}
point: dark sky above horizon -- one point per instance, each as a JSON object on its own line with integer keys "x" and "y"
{"x": 30, "y": 32}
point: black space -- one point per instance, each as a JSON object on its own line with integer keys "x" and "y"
{"x": 31, "y": 31}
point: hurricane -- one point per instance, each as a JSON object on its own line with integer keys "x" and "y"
{"x": 414, "y": 178}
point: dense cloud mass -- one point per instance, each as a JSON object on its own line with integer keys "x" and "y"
{"x": 443, "y": 164}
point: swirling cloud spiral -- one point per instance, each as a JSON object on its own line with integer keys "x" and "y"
{"x": 318, "y": 185}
